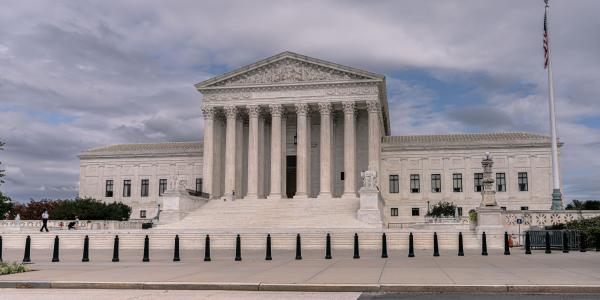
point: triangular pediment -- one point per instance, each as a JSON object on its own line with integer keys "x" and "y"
{"x": 288, "y": 68}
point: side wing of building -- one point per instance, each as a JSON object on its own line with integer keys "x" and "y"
{"x": 137, "y": 174}
{"x": 418, "y": 172}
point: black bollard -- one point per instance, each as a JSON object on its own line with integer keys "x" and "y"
{"x": 268, "y": 255}
{"x": 176, "y": 249}
{"x": 328, "y": 247}
{"x": 356, "y": 254}
{"x": 146, "y": 249}
{"x": 55, "y": 251}
{"x": 483, "y": 245}
{"x": 582, "y": 242}
{"x": 116, "y": 249}
{"x": 0, "y": 248}
{"x": 298, "y": 248}
{"x": 548, "y": 251}
{"x": 597, "y": 242}
{"x": 384, "y": 246}
{"x": 506, "y": 249}
{"x": 436, "y": 249}
{"x": 411, "y": 247}
{"x": 527, "y": 243}
{"x": 238, "y": 248}
{"x": 565, "y": 242}
{"x": 86, "y": 249}
{"x": 207, "y": 248}
{"x": 27, "y": 254}
{"x": 461, "y": 251}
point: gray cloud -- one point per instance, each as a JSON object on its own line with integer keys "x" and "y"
{"x": 80, "y": 74}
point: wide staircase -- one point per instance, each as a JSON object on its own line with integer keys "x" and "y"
{"x": 334, "y": 213}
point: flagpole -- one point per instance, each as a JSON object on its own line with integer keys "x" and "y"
{"x": 556, "y": 193}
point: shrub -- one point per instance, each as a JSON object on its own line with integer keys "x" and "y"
{"x": 591, "y": 227}
{"x": 12, "y": 268}
{"x": 85, "y": 209}
{"x": 473, "y": 215}
{"x": 442, "y": 209}
{"x": 585, "y": 205}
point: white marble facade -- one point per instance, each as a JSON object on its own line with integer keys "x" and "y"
{"x": 292, "y": 126}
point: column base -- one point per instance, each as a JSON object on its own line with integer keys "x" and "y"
{"x": 251, "y": 197}
{"x": 274, "y": 197}
{"x": 556, "y": 200}
{"x": 325, "y": 196}
{"x": 300, "y": 196}
{"x": 349, "y": 195}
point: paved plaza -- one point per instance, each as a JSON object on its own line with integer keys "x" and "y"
{"x": 556, "y": 272}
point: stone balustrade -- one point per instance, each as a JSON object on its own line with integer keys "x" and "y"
{"x": 27, "y": 225}
{"x": 541, "y": 218}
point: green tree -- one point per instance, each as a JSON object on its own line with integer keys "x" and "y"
{"x": 585, "y": 205}
{"x": 5, "y": 201}
{"x": 442, "y": 209}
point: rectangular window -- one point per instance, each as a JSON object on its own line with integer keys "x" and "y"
{"x": 142, "y": 214}
{"x": 126, "y": 188}
{"x": 478, "y": 183}
{"x": 524, "y": 207}
{"x": 109, "y": 188}
{"x": 394, "y": 184}
{"x": 457, "y": 182}
{"x": 394, "y": 212}
{"x": 523, "y": 182}
{"x": 459, "y": 209}
{"x": 500, "y": 182}
{"x": 198, "y": 185}
{"x": 436, "y": 183}
{"x": 503, "y": 208}
{"x": 341, "y": 175}
{"x": 162, "y": 186}
{"x": 145, "y": 186}
{"x": 415, "y": 211}
{"x": 415, "y": 183}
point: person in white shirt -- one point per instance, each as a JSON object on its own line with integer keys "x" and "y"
{"x": 45, "y": 217}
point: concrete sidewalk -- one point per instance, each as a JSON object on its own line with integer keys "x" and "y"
{"x": 538, "y": 273}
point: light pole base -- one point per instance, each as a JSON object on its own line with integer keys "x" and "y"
{"x": 556, "y": 200}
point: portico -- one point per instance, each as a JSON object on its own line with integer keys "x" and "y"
{"x": 299, "y": 117}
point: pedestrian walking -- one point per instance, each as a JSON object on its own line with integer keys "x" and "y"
{"x": 45, "y": 217}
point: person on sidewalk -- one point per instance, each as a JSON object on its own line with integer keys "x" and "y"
{"x": 74, "y": 224}
{"x": 45, "y": 217}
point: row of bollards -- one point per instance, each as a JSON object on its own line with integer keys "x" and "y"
{"x": 328, "y": 252}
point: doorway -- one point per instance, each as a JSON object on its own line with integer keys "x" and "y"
{"x": 290, "y": 176}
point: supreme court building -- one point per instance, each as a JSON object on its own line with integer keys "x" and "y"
{"x": 292, "y": 128}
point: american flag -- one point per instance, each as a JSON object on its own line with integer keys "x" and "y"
{"x": 546, "y": 54}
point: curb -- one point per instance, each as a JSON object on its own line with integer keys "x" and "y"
{"x": 284, "y": 287}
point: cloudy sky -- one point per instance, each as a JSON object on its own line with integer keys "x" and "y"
{"x": 81, "y": 74}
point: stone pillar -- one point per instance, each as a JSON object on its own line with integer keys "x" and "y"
{"x": 284, "y": 154}
{"x": 326, "y": 163}
{"x": 303, "y": 150}
{"x": 230, "y": 191}
{"x": 208, "y": 112}
{"x": 253, "y": 155}
{"x": 374, "y": 135}
{"x": 349, "y": 149}
{"x": 276, "y": 150}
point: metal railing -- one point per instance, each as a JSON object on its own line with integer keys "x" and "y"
{"x": 538, "y": 238}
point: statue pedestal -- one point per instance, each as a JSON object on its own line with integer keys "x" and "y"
{"x": 370, "y": 208}
{"x": 176, "y": 204}
{"x": 489, "y": 219}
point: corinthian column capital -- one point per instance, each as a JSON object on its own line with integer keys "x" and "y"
{"x": 277, "y": 110}
{"x": 349, "y": 107}
{"x": 325, "y": 108}
{"x": 302, "y": 109}
{"x": 208, "y": 112}
{"x": 373, "y": 106}
{"x": 253, "y": 111}
{"x": 231, "y": 111}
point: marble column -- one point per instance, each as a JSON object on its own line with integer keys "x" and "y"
{"x": 326, "y": 162}
{"x": 208, "y": 112}
{"x": 276, "y": 152}
{"x": 349, "y": 149}
{"x": 230, "y": 152}
{"x": 374, "y": 111}
{"x": 284, "y": 154}
{"x": 302, "y": 150}
{"x": 253, "y": 155}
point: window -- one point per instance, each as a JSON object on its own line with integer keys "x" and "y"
{"x": 394, "y": 212}
{"x": 503, "y": 208}
{"x": 500, "y": 182}
{"x": 126, "y": 188}
{"x": 459, "y": 209}
{"x": 145, "y": 186}
{"x": 394, "y": 184}
{"x": 415, "y": 211}
{"x": 457, "y": 182}
{"x": 142, "y": 214}
{"x": 415, "y": 183}
{"x": 109, "y": 188}
{"x": 162, "y": 186}
{"x": 341, "y": 175}
{"x": 436, "y": 183}
{"x": 524, "y": 207}
{"x": 523, "y": 182}
{"x": 198, "y": 185}
{"x": 478, "y": 177}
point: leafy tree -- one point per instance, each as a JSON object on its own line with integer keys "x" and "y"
{"x": 590, "y": 226}
{"x": 585, "y": 205}
{"x": 5, "y": 201}
{"x": 442, "y": 209}
{"x": 85, "y": 209}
